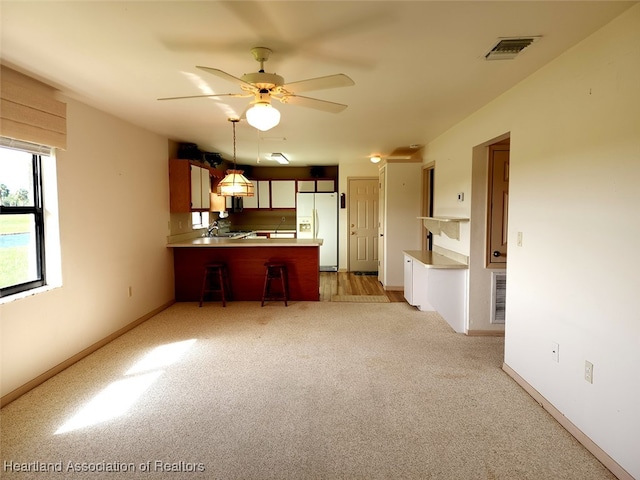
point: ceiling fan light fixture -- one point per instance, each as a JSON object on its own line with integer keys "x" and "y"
{"x": 263, "y": 116}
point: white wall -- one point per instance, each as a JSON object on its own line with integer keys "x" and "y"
{"x": 113, "y": 191}
{"x": 402, "y": 229}
{"x": 575, "y": 171}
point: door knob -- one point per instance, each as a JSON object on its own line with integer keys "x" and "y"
{"x": 496, "y": 253}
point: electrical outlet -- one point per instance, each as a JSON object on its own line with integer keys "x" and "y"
{"x": 588, "y": 371}
{"x": 519, "y": 239}
{"x": 461, "y": 196}
{"x": 555, "y": 352}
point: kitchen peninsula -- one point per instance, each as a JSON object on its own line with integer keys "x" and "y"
{"x": 245, "y": 259}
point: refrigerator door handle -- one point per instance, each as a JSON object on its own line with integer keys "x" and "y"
{"x": 315, "y": 223}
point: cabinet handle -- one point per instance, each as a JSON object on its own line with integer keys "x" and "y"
{"x": 353, "y": 233}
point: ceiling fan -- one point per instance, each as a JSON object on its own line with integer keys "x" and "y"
{"x": 265, "y": 86}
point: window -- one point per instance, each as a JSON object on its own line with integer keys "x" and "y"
{"x": 22, "y": 262}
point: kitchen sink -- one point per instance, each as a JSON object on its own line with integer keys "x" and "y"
{"x": 236, "y": 234}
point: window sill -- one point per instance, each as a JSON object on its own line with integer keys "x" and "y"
{"x": 26, "y": 294}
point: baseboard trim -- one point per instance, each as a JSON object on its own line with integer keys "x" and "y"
{"x": 392, "y": 288}
{"x": 613, "y": 466}
{"x": 485, "y": 333}
{"x": 18, "y": 392}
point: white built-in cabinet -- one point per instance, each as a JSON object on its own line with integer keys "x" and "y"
{"x": 200, "y": 187}
{"x": 439, "y": 288}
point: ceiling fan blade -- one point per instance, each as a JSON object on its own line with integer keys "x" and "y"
{"x": 320, "y": 83}
{"x": 323, "y": 105}
{"x": 212, "y": 95}
{"x": 228, "y": 77}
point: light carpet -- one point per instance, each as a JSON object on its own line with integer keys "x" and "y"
{"x": 310, "y": 391}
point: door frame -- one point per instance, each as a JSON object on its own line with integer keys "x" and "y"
{"x": 428, "y": 182}
{"x": 348, "y": 230}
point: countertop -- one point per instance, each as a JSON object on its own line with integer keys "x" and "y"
{"x": 247, "y": 242}
{"x": 434, "y": 260}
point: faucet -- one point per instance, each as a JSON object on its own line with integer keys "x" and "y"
{"x": 212, "y": 226}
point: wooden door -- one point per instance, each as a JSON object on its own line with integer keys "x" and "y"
{"x": 498, "y": 205}
{"x": 363, "y": 224}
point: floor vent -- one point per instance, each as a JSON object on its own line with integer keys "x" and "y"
{"x": 498, "y": 296}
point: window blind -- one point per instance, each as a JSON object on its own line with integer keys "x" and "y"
{"x": 30, "y": 112}
{"x": 21, "y": 145}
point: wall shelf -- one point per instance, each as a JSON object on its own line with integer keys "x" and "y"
{"x": 450, "y": 226}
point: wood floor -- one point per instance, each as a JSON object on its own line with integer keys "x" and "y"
{"x": 347, "y": 283}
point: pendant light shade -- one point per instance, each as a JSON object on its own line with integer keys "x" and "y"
{"x": 234, "y": 184}
{"x": 263, "y": 116}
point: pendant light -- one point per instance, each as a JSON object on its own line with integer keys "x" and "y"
{"x": 234, "y": 184}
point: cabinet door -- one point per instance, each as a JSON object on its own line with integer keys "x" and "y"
{"x": 408, "y": 280}
{"x": 326, "y": 186}
{"x": 264, "y": 195}
{"x": 252, "y": 202}
{"x": 283, "y": 194}
{"x": 200, "y": 187}
{"x": 196, "y": 187}
{"x": 306, "y": 185}
{"x": 205, "y": 188}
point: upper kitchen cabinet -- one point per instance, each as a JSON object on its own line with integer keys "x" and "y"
{"x": 316, "y": 186}
{"x": 283, "y": 194}
{"x": 189, "y": 186}
{"x": 252, "y": 202}
{"x": 264, "y": 194}
{"x": 200, "y": 187}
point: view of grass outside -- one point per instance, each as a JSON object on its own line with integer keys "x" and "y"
{"x": 15, "y": 236}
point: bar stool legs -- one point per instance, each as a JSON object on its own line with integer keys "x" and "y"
{"x": 275, "y": 271}
{"x": 215, "y": 280}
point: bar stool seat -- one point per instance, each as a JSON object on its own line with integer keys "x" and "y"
{"x": 216, "y": 280}
{"x": 275, "y": 271}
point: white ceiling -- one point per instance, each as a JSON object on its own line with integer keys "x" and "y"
{"x": 418, "y": 66}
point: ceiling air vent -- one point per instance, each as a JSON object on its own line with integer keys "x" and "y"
{"x": 509, "y": 48}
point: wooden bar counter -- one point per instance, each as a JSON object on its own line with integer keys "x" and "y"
{"x": 245, "y": 259}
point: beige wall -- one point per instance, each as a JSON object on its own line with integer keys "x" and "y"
{"x": 575, "y": 168}
{"x": 113, "y": 191}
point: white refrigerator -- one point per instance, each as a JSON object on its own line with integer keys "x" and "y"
{"x": 317, "y": 217}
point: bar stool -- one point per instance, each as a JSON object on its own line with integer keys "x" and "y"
{"x": 275, "y": 271}
{"x": 216, "y": 280}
